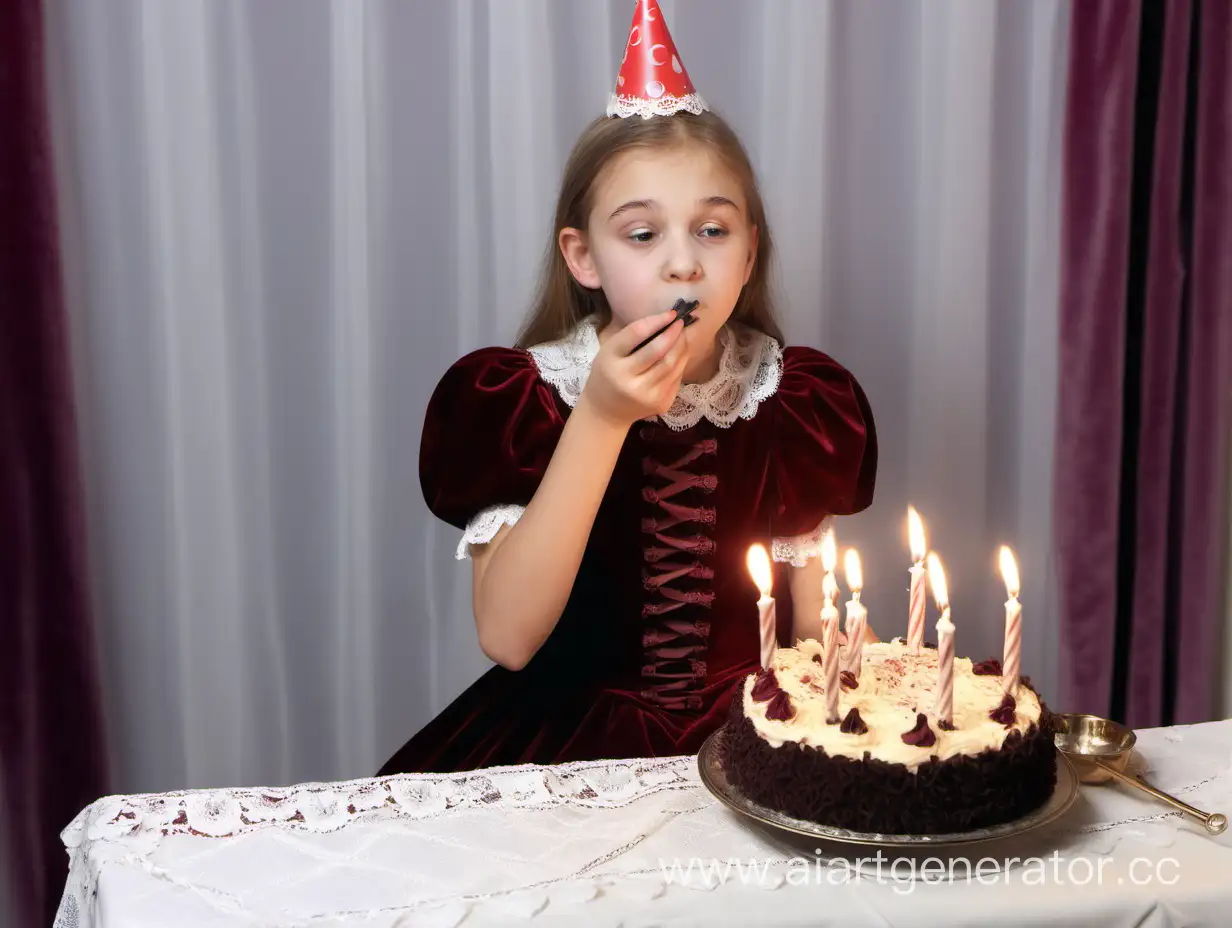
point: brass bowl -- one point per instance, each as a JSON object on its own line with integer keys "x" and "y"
{"x": 1084, "y": 737}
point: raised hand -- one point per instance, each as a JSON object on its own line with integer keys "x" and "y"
{"x": 623, "y": 387}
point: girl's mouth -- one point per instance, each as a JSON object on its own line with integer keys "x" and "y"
{"x": 684, "y": 308}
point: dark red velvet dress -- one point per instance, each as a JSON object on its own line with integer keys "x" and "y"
{"x": 662, "y": 621}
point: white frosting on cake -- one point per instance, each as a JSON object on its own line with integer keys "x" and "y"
{"x": 894, "y": 685}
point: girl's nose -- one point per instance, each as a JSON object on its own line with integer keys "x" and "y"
{"x": 683, "y": 264}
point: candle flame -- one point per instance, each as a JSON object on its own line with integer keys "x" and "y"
{"x": 829, "y": 551}
{"x": 759, "y": 568}
{"x": 829, "y": 588}
{"x": 851, "y": 564}
{"x": 915, "y": 531}
{"x": 1009, "y": 571}
{"x": 936, "y": 580}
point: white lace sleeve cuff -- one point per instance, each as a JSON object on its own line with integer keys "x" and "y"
{"x": 797, "y": 549}
{"x": 483, "y": 528}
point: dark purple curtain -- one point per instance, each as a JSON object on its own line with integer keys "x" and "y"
{"x": 51, "y": 741}
{"x": 1145, "y": 393}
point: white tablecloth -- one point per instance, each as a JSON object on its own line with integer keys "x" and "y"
{"x": 636, "y": 842}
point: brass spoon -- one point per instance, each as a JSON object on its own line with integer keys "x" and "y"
{"x": 1100, "y": 750}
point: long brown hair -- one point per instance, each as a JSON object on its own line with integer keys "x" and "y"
{"x": 561, "y": 302}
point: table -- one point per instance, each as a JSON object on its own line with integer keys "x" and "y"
{"x": 630, "y": 842}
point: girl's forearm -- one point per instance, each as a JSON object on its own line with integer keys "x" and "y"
{"x": 527, "y": 582}
{"x": 806, "y": 599}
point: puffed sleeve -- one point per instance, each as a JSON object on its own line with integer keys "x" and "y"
{"x": 825, "y": 451}
{"x": 490, "y": 430}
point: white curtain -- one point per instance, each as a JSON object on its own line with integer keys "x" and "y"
{"x": 283, "y": 220}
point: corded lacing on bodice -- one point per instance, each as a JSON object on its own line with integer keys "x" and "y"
{"x": 673, "y": 638}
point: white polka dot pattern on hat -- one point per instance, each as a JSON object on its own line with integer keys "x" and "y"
{"x": 652, "y": 81}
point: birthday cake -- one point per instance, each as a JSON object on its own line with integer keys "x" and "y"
{"x": 887, "y": 764}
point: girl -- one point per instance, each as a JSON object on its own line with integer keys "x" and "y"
{"x": 608, "y": 492}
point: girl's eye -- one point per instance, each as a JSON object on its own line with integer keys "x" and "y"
{"x": 643, "y": 236}
{"x": 713, "y": 232}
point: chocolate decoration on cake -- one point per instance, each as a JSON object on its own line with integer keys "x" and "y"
{"x": 947, "y": 725}
{"x": 766, "y": 686}
{"x": 817, "y": 659}
{"x": 849, "y": 680}
{"x": 780, "y": 708}
{"x": 1005, "y": 713}
{"x": 853, "y": 724}
{"x": 921, "y": 736}
{"x": 988, "y": 668}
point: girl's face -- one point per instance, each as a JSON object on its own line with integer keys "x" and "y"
{"x": 665, "y": 225}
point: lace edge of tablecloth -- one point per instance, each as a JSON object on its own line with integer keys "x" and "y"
{"x": 328, "y": 806}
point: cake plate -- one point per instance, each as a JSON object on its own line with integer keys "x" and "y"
{"x": 715, "y": 779}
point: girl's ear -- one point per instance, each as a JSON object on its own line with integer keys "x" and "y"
{"x": 752, "y": 258}
{"x": 576, "y": 251}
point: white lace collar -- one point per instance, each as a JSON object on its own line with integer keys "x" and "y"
{"x": 749, "y": 372}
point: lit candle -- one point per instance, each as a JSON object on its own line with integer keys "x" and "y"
{"x": 857, "y": 615}
{"x": 1012, "y": 656}
{"x": 945, "y": 643}
{"x": 759, "y": 567}
{"x": 829, "y": 625}
{"x": 915, "y": 620}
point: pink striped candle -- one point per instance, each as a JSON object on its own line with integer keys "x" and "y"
{"x": 759, "y": 566}
{"x": 1012, "y": 655}
{"x": 857, "y": 615}
{"x": 915, "y": 619}
{"x": 945, "y": 643}
{"x": 830, "y": 668}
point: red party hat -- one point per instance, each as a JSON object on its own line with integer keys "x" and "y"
{"x": 652, "y": 81}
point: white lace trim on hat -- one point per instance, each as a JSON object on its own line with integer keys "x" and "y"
{"x": 624, "y": 105}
